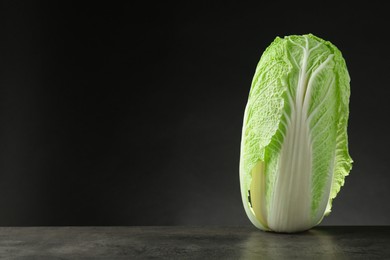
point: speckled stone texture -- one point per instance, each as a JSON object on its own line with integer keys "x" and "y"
{"x": 351, "y": 242}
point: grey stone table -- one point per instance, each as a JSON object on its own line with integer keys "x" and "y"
{"x": 193, "y": 243}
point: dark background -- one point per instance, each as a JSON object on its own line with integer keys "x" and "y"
{"x": 132, "y": 114}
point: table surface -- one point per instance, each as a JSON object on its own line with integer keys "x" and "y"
{"x": 170, "y": 242}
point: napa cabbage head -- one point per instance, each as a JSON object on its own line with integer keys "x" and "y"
{"x": 294, "y": 146}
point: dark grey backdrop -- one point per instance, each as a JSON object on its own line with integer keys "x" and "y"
{"x": 131, "y": 115}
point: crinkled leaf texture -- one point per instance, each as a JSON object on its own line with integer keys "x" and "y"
{"x": 294, "y": 147}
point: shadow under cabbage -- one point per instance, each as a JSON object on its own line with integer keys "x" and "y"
{"x": 313, "y": 243}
